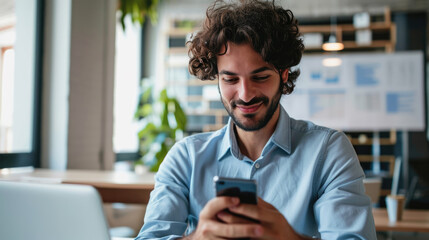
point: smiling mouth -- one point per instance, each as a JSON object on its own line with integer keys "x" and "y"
{"x": 249, "y": 109}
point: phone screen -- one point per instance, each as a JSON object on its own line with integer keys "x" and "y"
{"x": 245, "y": 189}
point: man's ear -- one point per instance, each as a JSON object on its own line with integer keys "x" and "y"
{"x": 285, "y": 75}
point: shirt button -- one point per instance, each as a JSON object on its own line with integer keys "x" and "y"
{"x": 257, "y": 165}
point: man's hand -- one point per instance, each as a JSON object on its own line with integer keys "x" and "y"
{"x": 274, "y": 225}
{"x": 210, "y": 226}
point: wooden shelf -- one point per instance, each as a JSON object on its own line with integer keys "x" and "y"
{"x": 180, "y": 32}
{"x": 369, "y": 141}
{"x": 344, "y": 28}
{"x": 340, "y": 30}
{"x": 378, "y": 26}
{"x": 370, "y": 158}
{"x": 383, "y": 158}
{"x": 178, "y": 50}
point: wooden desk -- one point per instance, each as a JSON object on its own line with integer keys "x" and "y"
{"x": 412, "y": 221}
{"x": 125, "y": 187}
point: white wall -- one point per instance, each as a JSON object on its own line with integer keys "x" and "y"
{"x": 55, "y": 84}
{"x": 91, "y": 84}
{"x": 78, "y": 84}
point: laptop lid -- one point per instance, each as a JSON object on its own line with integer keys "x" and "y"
{"x": 51, "y": 211}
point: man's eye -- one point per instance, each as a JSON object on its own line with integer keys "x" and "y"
{"x": 229, "y": 80}
{"x": 260, "y": 78}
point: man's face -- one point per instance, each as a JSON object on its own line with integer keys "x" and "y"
{"x": 249, "y": 87}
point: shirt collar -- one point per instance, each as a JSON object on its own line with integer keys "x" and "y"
{"x": 229, "y": 141}
{"x": 281, "y": 136}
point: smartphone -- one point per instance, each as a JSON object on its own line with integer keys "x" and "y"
{"x": 245, "y": 189}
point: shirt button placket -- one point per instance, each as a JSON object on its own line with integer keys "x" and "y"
{"x": 254, "y": 168}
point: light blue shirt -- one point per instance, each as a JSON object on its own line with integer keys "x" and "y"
{"x": 311, "y": 174}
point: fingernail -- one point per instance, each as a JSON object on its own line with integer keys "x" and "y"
{"x": 258, "y": 231}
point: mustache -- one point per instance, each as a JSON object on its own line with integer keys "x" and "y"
{"x": 255, "y": 100}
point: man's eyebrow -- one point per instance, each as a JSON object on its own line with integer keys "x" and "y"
{"x": 261, "y": 70}
{"x": 225, "y": 72}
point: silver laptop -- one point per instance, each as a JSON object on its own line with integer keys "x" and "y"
{"x": 51, "y": 211}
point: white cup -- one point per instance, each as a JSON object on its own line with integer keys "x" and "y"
{"x": 395, "y": 206}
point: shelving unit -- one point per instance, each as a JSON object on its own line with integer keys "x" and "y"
{"x": 200, "y": 98}
{"x": 386, "y": 156}
{"x": 383, "y": 35}
{"x": 363, "y": 142}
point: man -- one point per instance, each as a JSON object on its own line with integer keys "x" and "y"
{"x": 309, "y": 178}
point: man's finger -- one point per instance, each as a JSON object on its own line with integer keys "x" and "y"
{"x": 218, "y": 204}
{"x": 209, "y": 230}
{"x": 262, "y": 213}
{"x": 228, "y": 217}
{"x": 239, "y": 230}
{"x": 246, "y": 210}
{"x": 264, "y": 204}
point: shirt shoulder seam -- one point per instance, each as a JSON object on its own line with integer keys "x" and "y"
{"x": 321, "y": 160}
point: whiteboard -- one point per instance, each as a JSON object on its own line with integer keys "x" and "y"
{"x": 365, "y": 92}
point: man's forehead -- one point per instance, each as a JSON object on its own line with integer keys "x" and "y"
{"x": 230, "y": 44}
{"x": 241, "y": 56}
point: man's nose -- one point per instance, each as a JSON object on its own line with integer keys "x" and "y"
{"x": 246, "y": 91}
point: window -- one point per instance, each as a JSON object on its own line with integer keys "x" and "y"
{"x": 20, "y": 76}
{"x": 127, "y": 81}
{"x": 6, "y": 100}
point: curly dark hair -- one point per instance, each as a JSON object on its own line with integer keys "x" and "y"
{"x": 271, "y": 30}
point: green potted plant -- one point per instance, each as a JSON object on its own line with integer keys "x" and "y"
{"x": 138, "y": 10}
{"x": 163, "y": 120}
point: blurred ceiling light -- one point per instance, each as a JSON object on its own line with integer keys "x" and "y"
{"x": 332, "y": 62}
{"x": 332, "y": 44}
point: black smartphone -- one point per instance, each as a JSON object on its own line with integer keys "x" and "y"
{"x": 245, "y": 189}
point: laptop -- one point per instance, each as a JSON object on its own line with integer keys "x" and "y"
{"x": 51, "y": 211}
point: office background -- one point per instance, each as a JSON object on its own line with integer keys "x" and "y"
{"x": 77, "y": 77}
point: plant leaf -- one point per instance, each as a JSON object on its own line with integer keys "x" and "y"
{"x": 160, "y": 157}
{"x": 163, "y": 96}
{"x": 150, "y": 127}
{"x": 164, "y": 116}
{"x": 123, "y": 7}
{"x": 179, "y": 115}
{"x": 162, "y": 134}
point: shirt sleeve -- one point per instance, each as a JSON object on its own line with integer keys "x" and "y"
{"x": 167, "y": 211}
{"x": 342, "y": 209}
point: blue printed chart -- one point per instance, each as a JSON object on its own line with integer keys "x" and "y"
{"x": 360, "y": 92}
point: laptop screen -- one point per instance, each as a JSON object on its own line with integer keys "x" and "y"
{"x": 51, "y": 211}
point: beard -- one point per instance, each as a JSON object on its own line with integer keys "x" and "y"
{"x": 254, "y": 124}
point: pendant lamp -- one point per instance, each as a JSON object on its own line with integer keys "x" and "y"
{"x": 333, "y": 44}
